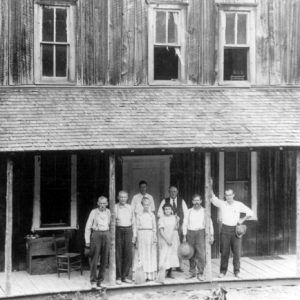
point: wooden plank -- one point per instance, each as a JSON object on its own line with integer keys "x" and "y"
{"x": 73, "y": 190}
{"x": 112, "y": 197}
{"x": 36, "y": 216}
{"x": 9, "y": 227}
{"x": 298, "y": 211}
{"x": 208, "y": 268}
{"x": 4, "y": 42}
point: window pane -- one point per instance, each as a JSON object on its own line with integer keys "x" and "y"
{"x": 55, "y": 189}
{"x": 48, "y": 24}
{"x": 230, "y": 166}
{"x": 61, "y": 60}
{"x": 242, "y": 29}
{"x": 229, "y": 31}
{"x": 160, "y": 27}
{"x": 172, "y": 27}
{"x": 61, "y": 25}
{"x": 235, "y": 64}
{"x": 47, "y": 60}
{"x": 165, "y": 63}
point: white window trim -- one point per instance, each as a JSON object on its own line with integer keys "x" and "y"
{"x": 38, "y": 78}
{"x": 182, "y": 9}
{"x": 253, "y": 179}
{"x": 36, "y": 217}
{"x": 251, "y": 65}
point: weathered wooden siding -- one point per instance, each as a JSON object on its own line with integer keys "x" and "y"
{"x": 21, "y": 42}
{"x": 112, "y": 42}
{"x": 4, "y": 42}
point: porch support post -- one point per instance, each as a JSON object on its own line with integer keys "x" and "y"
{"x": 9, "y": 225}
{"x": 112, "y": 197}
{"x": 36, "y": 216}
{"x": 208, "y": 270}
{"x": 298, "y": 211}
{"x": 73, "y": 190}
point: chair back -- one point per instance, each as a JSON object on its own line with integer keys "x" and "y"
{"x": 60, "y": 244}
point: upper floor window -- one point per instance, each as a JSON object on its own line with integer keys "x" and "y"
{"x": 54, "y": 42}
{"x": 167, "y": 43}
{"x": 236, "y": 44}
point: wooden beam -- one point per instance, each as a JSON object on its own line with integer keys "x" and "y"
{"x": 73, "y": 190}
{"x": 208, "y": 268}
{"x": 9, "y": 225}
{"x": 112, "y": 197}
{"x": 36, "y": 216}
{"x": 298, "y": 211}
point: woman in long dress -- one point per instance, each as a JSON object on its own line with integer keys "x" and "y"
{"x": 168, "y": 241}
{"x": 145, "y": 233}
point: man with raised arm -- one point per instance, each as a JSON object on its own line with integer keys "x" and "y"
{"x": 230, "y": 210}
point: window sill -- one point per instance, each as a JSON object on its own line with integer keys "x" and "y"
{"x": 236, "y": 83}
{"x": 56, "y": 228}
{"x": 167, "y": 82}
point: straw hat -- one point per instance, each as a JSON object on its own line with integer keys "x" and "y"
{"x": 185, "y": 251}
{"x": 240, "y": 230}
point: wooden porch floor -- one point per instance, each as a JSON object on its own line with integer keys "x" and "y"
{"x": 268, "y": 267}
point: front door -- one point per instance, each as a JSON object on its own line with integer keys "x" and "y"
{"x": 155, "y": 169}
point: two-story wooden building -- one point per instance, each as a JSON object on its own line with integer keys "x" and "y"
{"x": 96, "y": 95}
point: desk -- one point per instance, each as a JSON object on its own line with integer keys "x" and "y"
{"x": 40, "y": 255}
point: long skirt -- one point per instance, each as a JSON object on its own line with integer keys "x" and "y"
{"x": 145, "y": 254}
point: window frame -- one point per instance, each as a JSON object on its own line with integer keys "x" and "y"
{"x": 38, "y": 27}
{"x": 253, "y": 179}
{"x": 36, "y": 216}
{"x": 248, "y": 9}
{"x": 181, "y": 8}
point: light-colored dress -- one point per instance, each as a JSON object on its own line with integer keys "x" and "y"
{"x": 168, "y": 257}
{"x": 145, "y": 254}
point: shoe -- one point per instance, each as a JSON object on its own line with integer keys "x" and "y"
{"x": 221, "y": 275}
{"x": 237, "y": 275}
{"x": 200, "y": 277}
{"x": 169, "y": 275}
{"x": 191, "y": 276}
{"x": 178, "y": 269}
{"x": 93, "y": 285}
{"x": 126, "y": 280}
{"x": 118, "y": 282}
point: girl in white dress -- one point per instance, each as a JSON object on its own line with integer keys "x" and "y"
{"x": 168, "y": 241}
{"x": 145, "y": 233}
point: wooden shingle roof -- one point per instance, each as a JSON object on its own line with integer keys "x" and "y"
{"x": 85, "y": 118}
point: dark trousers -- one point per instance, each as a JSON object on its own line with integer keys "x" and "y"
{"x": 196, "y": 238}
{"x": 123, "y": 251}
{"x": 230, "y": 241}
{"x": 100, "y": 243}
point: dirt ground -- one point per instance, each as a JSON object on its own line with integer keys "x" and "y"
{"x": 265, "y": 293}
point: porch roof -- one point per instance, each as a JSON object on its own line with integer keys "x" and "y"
{"x": 41, "y": 118}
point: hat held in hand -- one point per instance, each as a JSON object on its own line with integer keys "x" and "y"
{"x": 185, "y": 251}
{"x": 240, "y": 230}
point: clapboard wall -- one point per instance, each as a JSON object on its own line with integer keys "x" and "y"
{"x": 112, "y": 42}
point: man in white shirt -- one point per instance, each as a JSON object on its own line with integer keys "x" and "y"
{"x": 194, "y": 233}
{"x": 231, "y": 216}
{"x": 124, "y": 235}
{"x": 179, "y": 209}
{"x": 97, "y": 238}
{"x": 136, "y": 202}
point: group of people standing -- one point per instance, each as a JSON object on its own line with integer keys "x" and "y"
{"x": 137, "y": 225}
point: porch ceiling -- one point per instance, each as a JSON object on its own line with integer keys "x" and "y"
{"x": 86, "y": 118}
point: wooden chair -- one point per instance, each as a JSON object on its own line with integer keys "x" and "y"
{"x": 66, "y": 261}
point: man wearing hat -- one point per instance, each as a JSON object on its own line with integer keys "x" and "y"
{"x": 231, "y": 237}
{"x": 194, "y": 233}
